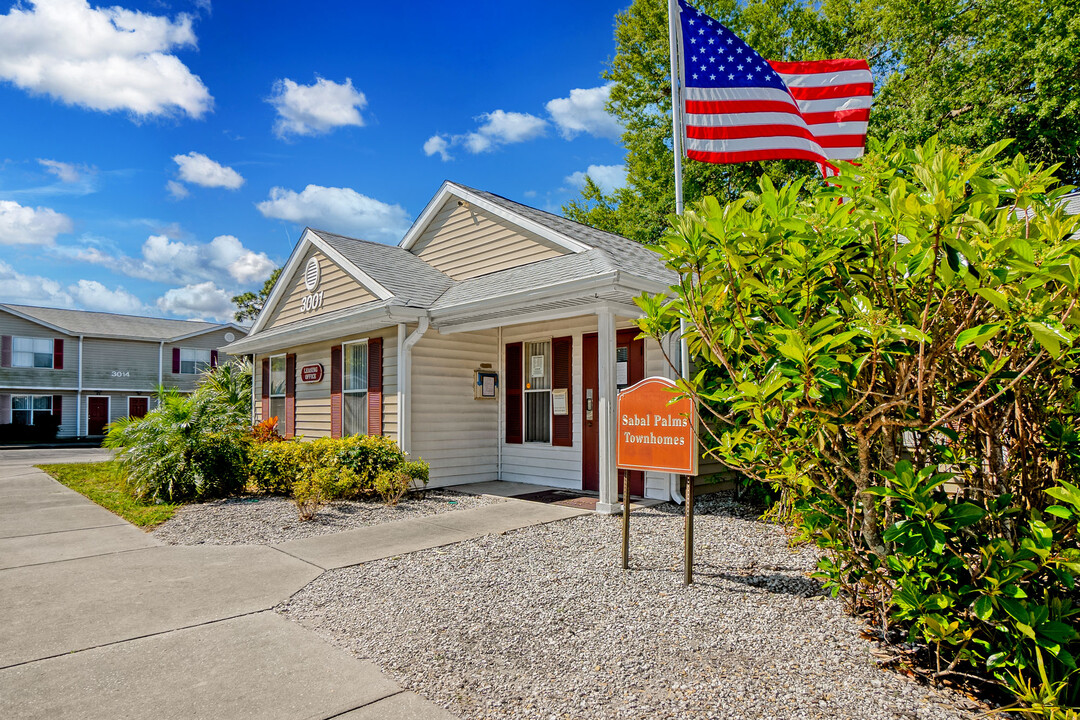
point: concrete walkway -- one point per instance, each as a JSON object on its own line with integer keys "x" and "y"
{"x": 99, "y": 620}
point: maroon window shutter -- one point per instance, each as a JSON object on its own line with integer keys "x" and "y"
{"x": 58, "y": 408}
{"x": 58, "y": 354}
{"x": 266, "y": 389}
{"x": 562, "y": 426}
{"x": 213, "y": 358}
{"x": 5, "y": 351}
{"x": 335, "y": 391}
{"x": 176, "y": 360}
{"x": 290, "y": 395}
{"x": 5, "y": 409}
{"x": 374, "y": 387}
{"x": 513, "y": 393}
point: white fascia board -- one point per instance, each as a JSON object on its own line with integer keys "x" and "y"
{"x": 449, "y": 190}
{"x": 344, "y": 326}
{"x": 36, "y": 321}
{"x": 279, "y": 287}
{"x": 308, "y": 239}
{"x": 347, "y": 265}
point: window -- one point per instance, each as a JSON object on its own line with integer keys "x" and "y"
{"x": 354, "y": 390}
{"x": 538, "y": 392}
{"x": 194, "y": 361}
{"x": 277, "y": 388}
{"x": 30, "y": 409}
{"x": 32, "y": 352}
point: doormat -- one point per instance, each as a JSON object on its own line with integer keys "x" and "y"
{"x": 561, "y": 497}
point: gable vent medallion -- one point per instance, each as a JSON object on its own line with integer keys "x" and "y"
{"x": 312, "y": 274}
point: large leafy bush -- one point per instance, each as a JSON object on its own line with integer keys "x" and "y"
{"x": 190, "y": 447}
{"x": 867, "y": 344}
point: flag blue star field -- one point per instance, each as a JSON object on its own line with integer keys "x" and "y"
{"x": 739, "y": 107}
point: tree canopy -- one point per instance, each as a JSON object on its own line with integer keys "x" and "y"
{"x": 249, "y": 304}
{"x": 968, "y": 71}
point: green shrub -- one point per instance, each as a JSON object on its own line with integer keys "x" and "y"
{"x": 273, "y": 467}
{"x": 392, "y": 484}
{"x": 313, "y": 490}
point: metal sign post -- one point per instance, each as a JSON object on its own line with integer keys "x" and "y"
{"x": 688, "y": 532}
{"x": 626, "y": 521}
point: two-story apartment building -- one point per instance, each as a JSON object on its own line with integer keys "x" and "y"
{"x": 86, "y": 369}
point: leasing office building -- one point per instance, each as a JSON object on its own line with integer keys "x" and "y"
{"x": 86, "y": 369}
{"x": 491, "y": 342}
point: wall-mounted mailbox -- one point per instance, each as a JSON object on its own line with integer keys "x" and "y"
{"x": 486, "y": 386}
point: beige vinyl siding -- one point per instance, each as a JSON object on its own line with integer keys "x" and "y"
{"x": 340, "y": 290}
{"x": 544, "y": 463}
{"x": 39, "y": 377}
{"x": 465, "y": 242}
{"x": 313, "y": 399}
{"x": 454, "y": 432}
{"x": 135, "y": 364}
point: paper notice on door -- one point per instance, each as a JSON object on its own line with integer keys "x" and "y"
{"x": 538, "y": 366}
{"x": 622, "y": 373}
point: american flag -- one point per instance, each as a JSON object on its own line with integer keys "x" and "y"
{"x": 739, "y": 107}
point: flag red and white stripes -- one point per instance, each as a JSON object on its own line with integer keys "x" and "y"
{"x": 737, "y": 107}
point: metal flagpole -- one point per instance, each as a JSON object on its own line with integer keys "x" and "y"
{"x": 677, "y": 147}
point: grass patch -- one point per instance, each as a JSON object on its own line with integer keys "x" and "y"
{"x": 103, "y": 482}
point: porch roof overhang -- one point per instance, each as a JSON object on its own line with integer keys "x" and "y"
{"x": 340, "y": 324}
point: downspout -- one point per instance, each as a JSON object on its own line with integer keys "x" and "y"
{"x": 406, "y": 380}
{"x": 502, "y": 416}
{"x": 160, "y": 355}
{"x": 252, "y": 389}
{"x": 402, "y": 332}
{"x": 78, "y": 395}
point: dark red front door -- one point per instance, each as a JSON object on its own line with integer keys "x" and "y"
{"x": 138, "y": 407}
{"x": 97, "y": 415}
{"x": 632, "y": 353}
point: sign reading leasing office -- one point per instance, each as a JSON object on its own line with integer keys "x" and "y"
{"x": 655, "y": 433}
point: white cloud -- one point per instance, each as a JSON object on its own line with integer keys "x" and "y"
{"x": 177, "y": 190}
{"x": 104, "y": 59}
{"x": 65, "y": 171}
{"x": 503, "y": 128}
{"x": 15, "y": 287}
{"x": 584, "y": 112}
{"x": 20, "y": 225}
{"x": 92, "y": 295}
{"x": 608, "y": 177}
{"x": 223, "y": 260}
{"x": 198, "y": 169}
{"x": 337, "y": 209}
{"x": 317, "y": 108}
{"x": 203, "y": 300}
{"x": 438, "y": 144}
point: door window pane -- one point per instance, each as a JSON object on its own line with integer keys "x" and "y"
{"x": 537, "y": 392}
{"x": 538, "y": 417}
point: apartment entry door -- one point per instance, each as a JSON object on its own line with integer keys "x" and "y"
{"x": 97, "y": 415}
{"x": 629, "y": 369}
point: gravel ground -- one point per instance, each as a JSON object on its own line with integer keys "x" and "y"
{"x": 541, "y": 623}
{"x": 270, "y": 520}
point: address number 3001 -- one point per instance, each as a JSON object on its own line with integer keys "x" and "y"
{"x": 311, "y": 302}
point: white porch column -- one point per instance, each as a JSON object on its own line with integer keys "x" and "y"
{"x": 605, "y": 357}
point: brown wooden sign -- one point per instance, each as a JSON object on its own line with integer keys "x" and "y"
{"x": 311, "y": 373}
{"x": 655, "y": 433}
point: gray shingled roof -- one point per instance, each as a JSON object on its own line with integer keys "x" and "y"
{"x": 564, "y": 268}
{"x": 1071, "y": 203}
{"x": 411, "y": 280}
{"x": 622, "y": 254}
{"x": 135, "y": 327}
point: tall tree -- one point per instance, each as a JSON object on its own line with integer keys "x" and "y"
{"x": 249, "y": 304}
{"x": 970, "y": 71}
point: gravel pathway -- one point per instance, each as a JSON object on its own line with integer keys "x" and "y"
{"x": 271, "y": 520}
{"x": 541, "y": 623}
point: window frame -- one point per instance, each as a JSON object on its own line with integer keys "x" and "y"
{"x": 346, "y": 391}
{"x": 31, "y": 409}
{"x": 33, "y": 352}
{"x": 196, "y": 370}
{"x": 526, "y": 377}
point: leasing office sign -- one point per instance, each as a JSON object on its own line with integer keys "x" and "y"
{"x": 655, "y": 431}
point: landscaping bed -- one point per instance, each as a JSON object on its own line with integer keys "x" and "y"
{"x": 266, "y": 520}
{"x": 542, "y": 623}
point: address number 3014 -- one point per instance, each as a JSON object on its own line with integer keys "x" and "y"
{"x": 311, "y": 302}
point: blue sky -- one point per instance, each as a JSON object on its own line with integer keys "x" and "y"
{"x": 159, "y": 157}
